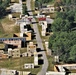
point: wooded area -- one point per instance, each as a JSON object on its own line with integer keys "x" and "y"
{"x": 3, "y": 5}
{"x": 63, "y": 40}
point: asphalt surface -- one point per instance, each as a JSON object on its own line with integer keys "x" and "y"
{"x": 39, "y": 42}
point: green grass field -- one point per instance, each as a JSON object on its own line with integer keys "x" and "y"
{"x": 15, "y": 63}
{"x": 51, "y": 65}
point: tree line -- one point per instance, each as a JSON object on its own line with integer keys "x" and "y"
{"x": 63, "y": 40}
{"x": 3, "y": 5}
{"x": 56, "y": 2}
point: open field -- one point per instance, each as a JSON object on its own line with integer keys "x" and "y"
{"x": 15, "y": 63}
{"x": 51, "y": 65}
{"x": 16, "y": 14}
{"x": 8, "y": 27}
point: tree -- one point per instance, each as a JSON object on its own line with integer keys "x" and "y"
{"x": 60, "y": 25}
{"x": 3, "y": 6}
{"x": 73, "y": 53}
{"x": 70, "y": 16}
{"x": 0, "y": 1}
{"x": 24, "y": 9}
{"x": 61, "y": 44}
{"x": 2, "y": 11}
{"x": 63, "y": 40}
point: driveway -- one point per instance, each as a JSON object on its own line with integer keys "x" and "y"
{"x": 39, "y": 42}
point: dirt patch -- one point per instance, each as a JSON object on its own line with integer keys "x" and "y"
{"x": 7, "y": 25}
{"x": 8, "y": 28}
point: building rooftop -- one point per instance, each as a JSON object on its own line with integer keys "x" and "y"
{"x": 13, "y": 38}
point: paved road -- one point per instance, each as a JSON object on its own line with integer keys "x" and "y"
{"x": 39, "y": 42}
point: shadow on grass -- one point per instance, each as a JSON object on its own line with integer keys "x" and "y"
{"x": 34, "y": 22}
{"x": 40, "y": 61}
{"x": 39, "y": 50}
{"x": 32, "y": 74}
{"x": 36, "y": 66}
{"x": 39, "y": 55}
{"x": 47, "y": 34}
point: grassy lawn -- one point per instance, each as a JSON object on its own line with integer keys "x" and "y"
{"x": 16, "y": 15}
{"x": 1, "y": 29}
{"x": 6, "y": 35}
{"x": 2, "y": 46}
{"x": 7, "y": 21}
{"x": 23, "y": 50}
{"x": 52, "y": 2}
{"x": 51, "y": 65}
{"x": 8, "y": 27}
{"x": 3, "y": 33}
{"x": 53, "y": 15}
{"x": 33, "y": 6}
{"x": 15, "y": 63}
{"x": 15, "y": 1}
{"x": 35, "y": 70}
{"x": 73, "y": 71}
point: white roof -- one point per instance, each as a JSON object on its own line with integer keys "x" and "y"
{"x": 16, "y": 5}
{"x": 55, "y": 73}
{"x": 49, "y": 21}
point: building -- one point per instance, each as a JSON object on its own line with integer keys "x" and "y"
{"x": 14, "y": 53}
{"x": 1, "y": 52}
{"x": 27, "y": 54}
{"x": 24, "y": 73}
{"x": 28, "y": 66}
{"x": 8, "y": 72}
{"x": 72, "y": 74}
{"x": 25, "y": 27}
{"x": 13, "y": 41}
{"x": 42, "y": 19}
{"x": 49, "y": 20}
{"x": 44, "y": 27}
{"x": 13, "y": 72}
{"x": 49, "y": 9}
{"x": 3, "y": 56}
{"x": 55, "y": 73}
{"x": 23, "y": 21}
{"x": 47, "y": 48}
{"x": 16, "y": 7}
{"x": 61, "y": 68}
{"x": 31, "y": 48}
{"x": 35, "y": 58}
{"x": 56, "y": 58}
{"x": 27, "y": 35}
{"x": 9, "y": 52}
